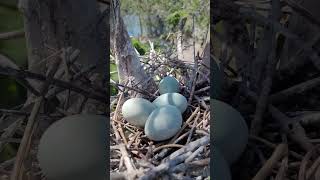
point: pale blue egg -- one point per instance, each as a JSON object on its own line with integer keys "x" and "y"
{"x": 230, "y": 130}
{"x": 137, "y": 110}
{"x": 74, "y": 148}
{"x": 168, "y": 84}
{"x": 174, "y": 99}
{"x": 221, "y": 169}
{"x": 163, "y": 123}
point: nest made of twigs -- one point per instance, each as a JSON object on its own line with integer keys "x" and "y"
{"x": 184, "y": 156}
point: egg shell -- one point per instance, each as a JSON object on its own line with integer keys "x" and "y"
{"x": 174, "y": 99}
{"x": 74, "y": 148}
{"x": 229, "y": 129}
{"x": 163, "y": 123}
{"x": 216, "y": 81}
{"x": 137, "y": 110}
{"x": 221, "y": 169}
{"x": 168, "y": 84}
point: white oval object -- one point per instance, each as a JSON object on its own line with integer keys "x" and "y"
{"x": 174, "y": 99}
{"x": 221, "y": 169}
{"x": 230, "y": 130}
{"x": 137, "y": 110}
{"x": 163, "y": 123}
{"x": 74, "y": 148}
{"x": 168, "y": 84}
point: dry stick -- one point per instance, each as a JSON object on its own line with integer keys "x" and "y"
{"x": 271, "y": 163}
{"x": 313, "y": 168}
{"x": 317, "y": 174}
{"x": 118, "y": 176}
{"x": 185, "y": 124}
{"x": 193, "y": 127}
{"x": 190, "y": 147}
{"x": 297, "y": 133}
{"x": 194, "y": 154}
{"x": 283, "y": 169}
{"x": 122, "y": 147}
{"x": 193, "y": 88}
{"x": 164, "y": 151}
{"x": 270, "y": 144}
{"x": 202, "y": 90}
{"x": 261, "y": 106}
{"x": 11, "y": 35}
{"x": 203, "y": 120}
{"x": 202, "y": 132}
{"x": 127, "y": 161}
{"x": 133, "y": 139}
{"x": 26, "y": 74}
{"x": 154, "y": 172}
{"x": 304, "y": 163}
{"x": 295, "y": 61}
{"x": 302, "y": 11}
{"x": 115, "y": 117}
{"x": 134, "y": 89}
{"x": 31, "y": 125}
{"x": 25, "y": 140}
{"x": 122, "y": 135}
{"x": 202, "y": 103}
{"x": 296, "y": 89}
{"x": 14, "y": 112}
{"x": 167, "y": 146}
{"x": 121, "y": 163}
{"x": 309, "y": 119}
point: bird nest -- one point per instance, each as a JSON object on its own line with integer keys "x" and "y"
{"x": 184, "y": 156}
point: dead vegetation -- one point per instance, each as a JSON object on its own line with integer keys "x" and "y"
{"x": 269, "y": 52}
{"x": 187, "y": 154}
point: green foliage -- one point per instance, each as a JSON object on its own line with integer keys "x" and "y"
{"x": 141, "y": 47}
{"x": 12, "y": 93}
{"x": 113, "y": 76}
{"x": 170, "y": 12}
{"x": 15, "y": 49}
{"x": 174, "y": 18}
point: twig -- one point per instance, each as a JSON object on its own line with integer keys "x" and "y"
{"x": 154, "y": 172}
{"x": 194, "y": 154}
{"x": 185, "y": 125}
{"x": 127, "y": 161}
{"x": 193, "y": 127}
{"x": 193, "y": 86}
{"x": 313, "y": 168}
{"x": 12, "y": 35}
{"x": 266, "y": 142}
{"x": 134, "y": 89}
{"x": 23, "y": 150}
{"x": 25, "y": 140}
{"x": 26, "y": 74}
{"x": 283, "y": 169}
{"x": 302, "y": 172}
{"x": 296, "y": 89}
{"x": 190, "y": 147}
{"x": 261, "y": 106}
{"x": 295, "y": 131}
{"x": 271, "y": 163}
{"x": 167, "y": 146}
{"x": 118, "y": 176}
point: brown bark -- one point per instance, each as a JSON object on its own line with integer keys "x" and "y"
{"x": 128, "y": 63}
{"x": 53, "y": 25}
